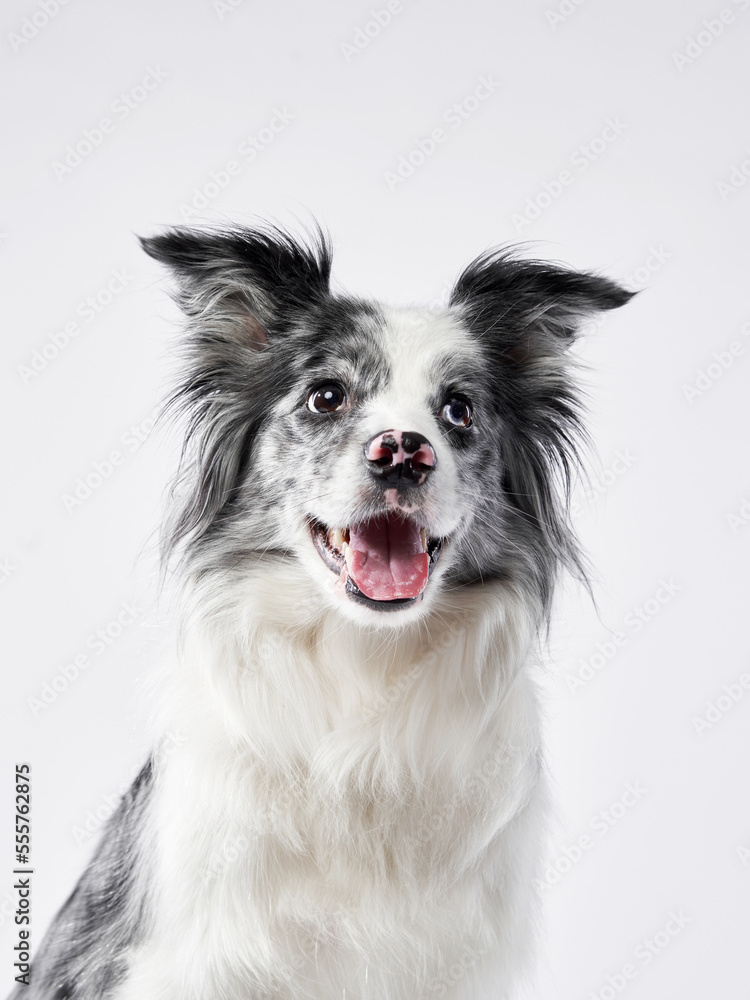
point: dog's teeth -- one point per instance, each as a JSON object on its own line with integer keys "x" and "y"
{"x": 423, "y": 536}
{"x": 336, "y": 537}
{"x": 348, "y": 555}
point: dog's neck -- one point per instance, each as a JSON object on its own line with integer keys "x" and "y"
{"x": 250, "y": 640}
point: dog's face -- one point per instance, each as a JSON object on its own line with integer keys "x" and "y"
{"x": 374, "y": 457}
{"x": 392, "y": 452}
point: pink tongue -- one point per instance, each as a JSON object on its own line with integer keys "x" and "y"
{"x": 387, "y": 559}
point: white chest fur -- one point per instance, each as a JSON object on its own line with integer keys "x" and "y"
{"x": 348, "y": 814}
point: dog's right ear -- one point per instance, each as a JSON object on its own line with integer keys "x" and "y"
{"x": 244, "y": 284}
{"x": 241, "y": 289}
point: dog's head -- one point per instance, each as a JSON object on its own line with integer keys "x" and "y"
{"x": 392, "y": 452}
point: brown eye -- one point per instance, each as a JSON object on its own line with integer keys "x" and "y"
{"x": 328, "y": 398}
{"x": 457, "y": 412}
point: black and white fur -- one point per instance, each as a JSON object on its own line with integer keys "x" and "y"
{"x": 356, "y": 804}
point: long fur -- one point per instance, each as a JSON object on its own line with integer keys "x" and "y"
{"x": 356, "y": 806}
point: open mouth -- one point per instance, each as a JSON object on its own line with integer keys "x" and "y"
{"x": 384, "y": 563}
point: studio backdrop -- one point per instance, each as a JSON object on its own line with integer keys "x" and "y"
{"x": 612, "y": 136}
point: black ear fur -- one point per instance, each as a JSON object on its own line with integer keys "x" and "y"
{"x": 241, "y": 289}
{"x": 533, "y": 308}
{"x": 257, "y": 277}
{"x": 525, "y": 314}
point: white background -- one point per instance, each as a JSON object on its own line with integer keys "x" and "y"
{"x": 649, "y": 208}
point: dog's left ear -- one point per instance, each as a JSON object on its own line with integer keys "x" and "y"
{"x": 530, "y": 309}
{"x": 244, "y": 284}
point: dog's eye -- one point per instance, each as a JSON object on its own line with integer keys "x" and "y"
{"x": 457, "y": 412}
{"x": 327, "y": 398}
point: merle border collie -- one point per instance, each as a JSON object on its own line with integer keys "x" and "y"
{"x": 367, "y": 525}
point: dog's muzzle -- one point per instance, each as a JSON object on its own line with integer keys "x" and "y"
{"x": 385, "y": 562}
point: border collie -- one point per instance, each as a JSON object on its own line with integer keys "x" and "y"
{"x": 367, "y": 525}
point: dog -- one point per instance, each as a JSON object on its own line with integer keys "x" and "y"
{"x": 367, "y": 525}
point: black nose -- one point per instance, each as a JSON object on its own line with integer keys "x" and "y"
{"x": 400, "y": 457}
